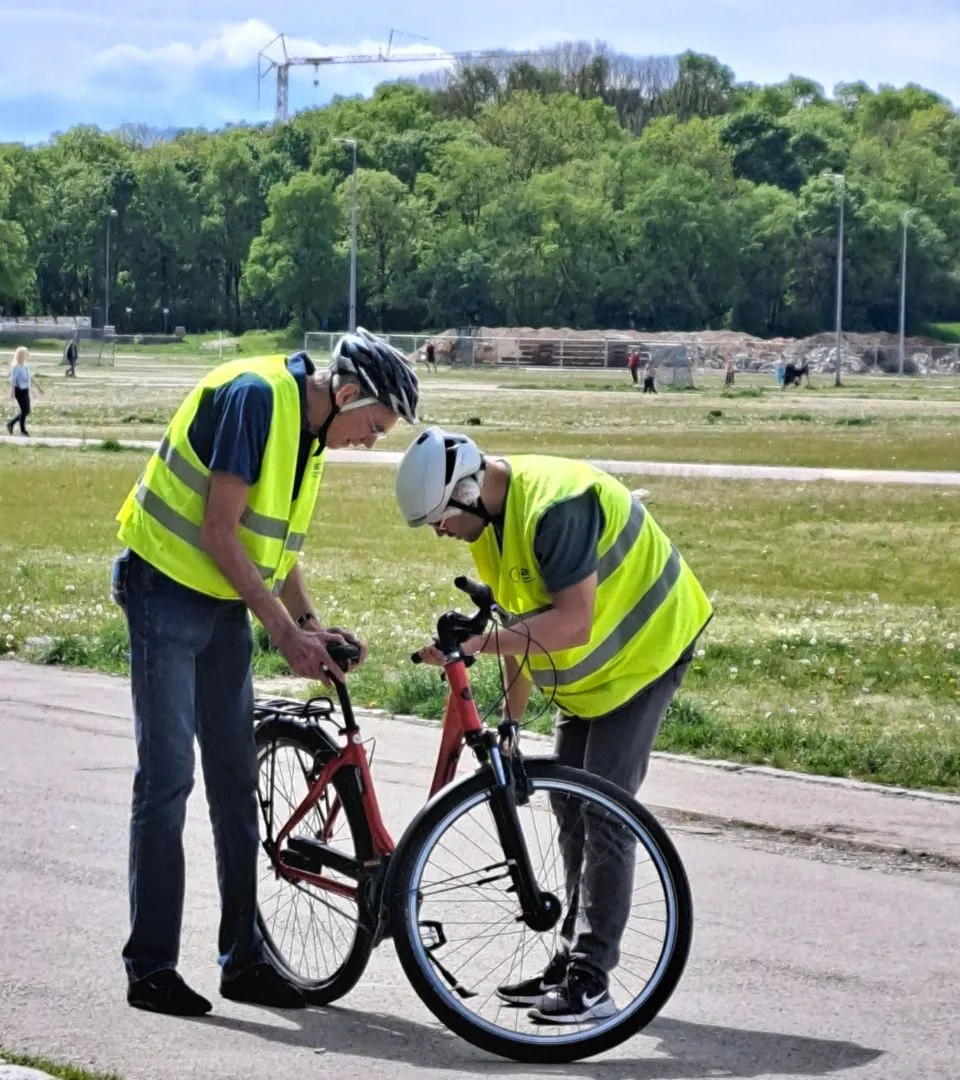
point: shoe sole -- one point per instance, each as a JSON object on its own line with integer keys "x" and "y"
{"x": 530, "y": 1000}
{"x": 146, "y": 1006}
{"x": 301, "y": 1004}
{"x": 601, "y": 1011}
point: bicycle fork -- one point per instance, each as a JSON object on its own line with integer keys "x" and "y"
{"x": 540, "y": 910}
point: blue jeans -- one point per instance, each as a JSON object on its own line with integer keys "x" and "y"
{"x": 190, "y": 675}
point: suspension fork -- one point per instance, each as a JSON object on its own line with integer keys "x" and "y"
{"x": 541, "y": 910}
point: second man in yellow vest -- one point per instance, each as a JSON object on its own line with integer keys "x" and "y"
{"x": 610, "y": 613}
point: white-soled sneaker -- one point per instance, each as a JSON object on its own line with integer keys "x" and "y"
{"x": 582, "y": 997}
{"x": 534, "y": 991}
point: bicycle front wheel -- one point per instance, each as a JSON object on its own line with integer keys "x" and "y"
{"x": 457, "y": 924}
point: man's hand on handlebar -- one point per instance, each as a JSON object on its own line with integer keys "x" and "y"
{"x": 351, "y": 639}
{"x": 429, "y": 654}
{"x": 308, "y": 652}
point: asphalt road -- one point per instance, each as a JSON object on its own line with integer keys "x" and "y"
{"x": 810, "y": 959}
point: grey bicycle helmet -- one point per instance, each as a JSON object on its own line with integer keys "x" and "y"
{"x": 382, "y": 371}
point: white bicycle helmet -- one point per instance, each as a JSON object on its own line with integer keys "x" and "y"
{"x": 432, "y": 466}
{"x": 382, "y": 371}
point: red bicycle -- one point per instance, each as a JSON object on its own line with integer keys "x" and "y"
{"x": 486, "y": 886}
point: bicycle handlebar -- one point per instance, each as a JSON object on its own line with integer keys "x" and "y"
{"x": 453, "y": 628}
{"x": 481, "y": 595}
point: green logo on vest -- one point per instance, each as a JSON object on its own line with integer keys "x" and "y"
{"x": 520, "y": 574}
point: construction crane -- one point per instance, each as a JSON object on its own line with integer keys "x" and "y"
{"x": 265, "y": 64}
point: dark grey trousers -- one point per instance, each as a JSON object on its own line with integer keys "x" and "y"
{"x": 599, "y": 855}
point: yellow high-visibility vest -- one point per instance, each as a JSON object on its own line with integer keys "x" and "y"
{"x": 162, "y": 516}
{"x": 649, "y": 605}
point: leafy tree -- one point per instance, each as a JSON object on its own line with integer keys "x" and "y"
{"x": 294, "y": 270}
{"x": 761, "y": 150}
{"x": 16, "y": 273}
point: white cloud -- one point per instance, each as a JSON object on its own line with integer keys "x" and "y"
{"x": 234, "y": 46}
{"x": 237, "y": 45}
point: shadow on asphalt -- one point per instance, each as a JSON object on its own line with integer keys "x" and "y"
{"x": 685, "y": 1050}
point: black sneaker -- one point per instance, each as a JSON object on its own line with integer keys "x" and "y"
{"x": 10, "y": 427}
{"x": 533, "y": 991}
{"x": 165, "y": 992}
{"x": 583, "y": 996}
{"x": 262, "y": 984}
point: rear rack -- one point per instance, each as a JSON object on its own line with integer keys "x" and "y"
{"x": 317, "y": 708}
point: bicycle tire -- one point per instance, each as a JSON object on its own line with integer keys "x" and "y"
{"x": 547, "y": 775}
{"x": 315, "y": 745}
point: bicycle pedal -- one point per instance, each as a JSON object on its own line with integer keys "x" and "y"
{"x": 437, "y": 937}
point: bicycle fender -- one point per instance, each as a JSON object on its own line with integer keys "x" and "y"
{"x": 318, "y": 740}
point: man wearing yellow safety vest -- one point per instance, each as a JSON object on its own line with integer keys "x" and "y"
{"x": 213, "y": 528}
{"x": 606, "y": 613}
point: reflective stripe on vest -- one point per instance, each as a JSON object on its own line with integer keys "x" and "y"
{"x": 626, "y": 629}
{"x": 270, "y": 527}
{"x": 177, "y": 524}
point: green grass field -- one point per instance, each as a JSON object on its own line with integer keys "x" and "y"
{"x": 834, "y": 648}
{"x": 869, "y": 423}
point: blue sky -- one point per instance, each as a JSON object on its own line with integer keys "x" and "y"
{"x": 166, "y": 64}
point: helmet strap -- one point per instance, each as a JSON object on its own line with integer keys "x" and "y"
{"x": 331, "y": 416}
{"x": 479, "y": 510}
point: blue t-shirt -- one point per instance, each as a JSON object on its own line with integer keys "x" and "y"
{"x": 230, "y": 430}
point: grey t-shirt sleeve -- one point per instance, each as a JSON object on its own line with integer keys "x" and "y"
{"x": 565, "y": 544}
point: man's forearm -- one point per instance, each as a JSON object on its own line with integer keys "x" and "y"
{"x": 224, "y": 547}
{"x": 294, "y": 596}
{"x": 547, "y": 632}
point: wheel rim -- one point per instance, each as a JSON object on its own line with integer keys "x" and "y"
{"x": 482, "y": 957}
{"x": 310, "y": 931}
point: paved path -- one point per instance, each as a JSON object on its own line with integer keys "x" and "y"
{"x": 810, "y": 959}
{"x": 695, "y": 470}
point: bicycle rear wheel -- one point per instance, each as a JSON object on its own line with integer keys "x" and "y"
{"x": 457, "y": 923}
{"x": 313, "y": 935}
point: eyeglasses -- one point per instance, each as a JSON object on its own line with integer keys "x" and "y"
{"x": 374, "y": 430}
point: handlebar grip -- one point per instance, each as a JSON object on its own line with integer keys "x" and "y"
{"x": 343, "y": 654}
{"x": 468, "y": 661}
{"x": 481, "y": 595}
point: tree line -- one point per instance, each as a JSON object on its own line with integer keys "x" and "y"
{"x": 574, "y": 188}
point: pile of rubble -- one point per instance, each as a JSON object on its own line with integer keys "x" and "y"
{"x": 706, "y": 349}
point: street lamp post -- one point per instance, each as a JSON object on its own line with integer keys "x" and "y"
{"x": 905, "y": 218}
{"x": 840, "y": 180}
{"x": 111, "y": 213}
{"x": 352, "y": 143}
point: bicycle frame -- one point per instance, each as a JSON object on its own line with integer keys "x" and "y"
{"x": 461, "y": 721}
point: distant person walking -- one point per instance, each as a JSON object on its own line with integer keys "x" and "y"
{"x": 729, "y": 376}
{"x": 649, "y": 378}
{"x": 71, "y": 355}
{"x": 633, "y": 363}
{"x": 431, "y": 357}
{"x": 20, "y": 385}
